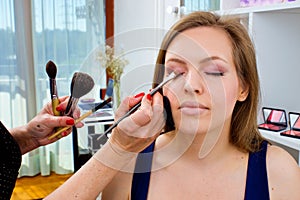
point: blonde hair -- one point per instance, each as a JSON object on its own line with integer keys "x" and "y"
{"x": 244, "y": 133}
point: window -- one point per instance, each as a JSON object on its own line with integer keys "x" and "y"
{"x": 33, "y": 32}
{"x": 205, "y": 5}
{"x": 64, "y": 32}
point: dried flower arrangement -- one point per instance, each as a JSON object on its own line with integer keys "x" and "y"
{"x": 114, "y": 65}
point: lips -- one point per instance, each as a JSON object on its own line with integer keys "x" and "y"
{"x": 192, "y": 108}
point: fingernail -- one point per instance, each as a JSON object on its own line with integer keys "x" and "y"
{"x": 149, "y": 97}
{"x": 139, "y": 95}
{"x": 64, "y": 133}
{"x": 70, "y": 122}
{"x": 58, "y": 108}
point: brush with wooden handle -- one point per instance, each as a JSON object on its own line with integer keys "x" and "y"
{"x": 82, "y": 117}
{"x": 81, "y": 84}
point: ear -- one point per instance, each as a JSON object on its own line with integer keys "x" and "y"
{"x": 243, "y": 93}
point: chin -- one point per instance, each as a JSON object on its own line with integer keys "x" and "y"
{"x": 192, "y": 126}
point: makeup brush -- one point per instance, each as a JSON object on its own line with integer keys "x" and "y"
{"x": 170, "y": 77}
{"x": 82, "y": 117}
{"x": 81, "y": 84}
{"x": 51, "y": 71}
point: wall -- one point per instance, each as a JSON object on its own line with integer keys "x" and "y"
{"x": 139, "y": 28}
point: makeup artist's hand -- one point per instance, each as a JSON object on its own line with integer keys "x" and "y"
{"x": 141, "y": 128}
{"x": 36, "y": 132}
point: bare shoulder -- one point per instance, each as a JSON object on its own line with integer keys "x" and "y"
{"x": 119, "y": 188}
{"x": 283, "y": 174}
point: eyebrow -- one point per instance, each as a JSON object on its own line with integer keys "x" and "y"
{"x": 212, "y": 58}
{"x": 202, "y": 61}
{"x": 176, "y": 60}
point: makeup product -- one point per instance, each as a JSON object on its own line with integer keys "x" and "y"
{"x": 274, "y": 119}
{"x": 110, "y": 88}
{"x": 170, "y": 77}
{"x": 81, "y": 84}
{"x": 294, "y": 122}
{"x": 82, "y": 117}
{"x": 51, "y": 71}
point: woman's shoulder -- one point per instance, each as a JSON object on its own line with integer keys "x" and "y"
{"x": 283, "y": 174}
{"x": 277, "y": 156}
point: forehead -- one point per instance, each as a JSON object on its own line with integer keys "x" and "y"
{"x": 201, "y": 42}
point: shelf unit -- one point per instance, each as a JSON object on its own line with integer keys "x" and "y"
{"x": 102, "y": 117}
{"x": 275, "y": 31}
{"x": 233, "y": 8}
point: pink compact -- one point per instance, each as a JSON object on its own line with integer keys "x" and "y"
{"x": 294, "y": 122}
{"x": 274, "y": 119}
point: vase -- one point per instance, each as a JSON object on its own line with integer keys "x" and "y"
{"x": 117, "y": 94}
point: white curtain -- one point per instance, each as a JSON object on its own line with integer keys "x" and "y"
{"x": 64, "y": 31}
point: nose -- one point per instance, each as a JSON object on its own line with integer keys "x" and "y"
{"x": 194, "y": 82}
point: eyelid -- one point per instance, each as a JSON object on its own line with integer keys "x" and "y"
{"x": 176, "y": 68}
{"x": 176, "y": 72}
{"x": 215, "y": 67}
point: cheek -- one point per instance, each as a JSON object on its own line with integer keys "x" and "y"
{"x": 172, "y": 96}
{"x": 174, "y": 101}
{"x": 223, "y": 98}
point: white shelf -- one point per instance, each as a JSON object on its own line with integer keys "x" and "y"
{"x": 100, "y": 117}
{"x": 289, "y": 142}
{"x": 278, "y": 7}
{"x": 293, "y": 143}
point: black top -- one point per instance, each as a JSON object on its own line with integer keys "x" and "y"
{"x": 10, "y": 162}
{"x": 256, "y": 186}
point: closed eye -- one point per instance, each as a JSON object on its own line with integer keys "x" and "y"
{"x": 215, "y": 73}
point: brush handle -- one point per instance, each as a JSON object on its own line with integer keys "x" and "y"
{"x": 71, "y": 106}
{"x": 133, "y": 109}
{"x": 68, "y": 112}
{"x": 82, "y": 117}
{"x": 55, "y": 103}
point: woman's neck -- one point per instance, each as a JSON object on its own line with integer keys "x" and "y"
{"x": 211, "y": 146}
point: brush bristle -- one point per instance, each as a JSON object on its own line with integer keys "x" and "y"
{"x": 81, "y": 84}
{"x": 51, "y": 69}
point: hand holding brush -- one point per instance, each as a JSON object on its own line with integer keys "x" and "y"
{"x": 170, "y": 77}
{"x": 82, "y": 117}
{"x": 81, "y": 84}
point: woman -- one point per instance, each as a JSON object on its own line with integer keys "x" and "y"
{"x": 214, "y": 149}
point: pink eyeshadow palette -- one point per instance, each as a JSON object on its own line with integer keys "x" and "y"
{"x": 274, "y": 119}
{"x": 294, "y": 122}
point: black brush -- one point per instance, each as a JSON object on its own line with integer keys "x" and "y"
{"x": 170, "y": 77}
{"x": 51, "y": 71}
{"x": 81, "y": 84}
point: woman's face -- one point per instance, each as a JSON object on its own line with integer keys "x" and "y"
{"x": 203, "y": 98}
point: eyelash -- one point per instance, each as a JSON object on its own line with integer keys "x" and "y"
{"x": 215, "y": 73}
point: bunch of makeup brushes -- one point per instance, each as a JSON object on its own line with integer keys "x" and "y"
{"x": 81, "y": 84}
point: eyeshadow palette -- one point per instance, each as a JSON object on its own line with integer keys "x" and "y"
{"x": 274, "y": 119}
{"x": 294, "y": 122}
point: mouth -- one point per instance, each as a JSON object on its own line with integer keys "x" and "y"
{"x": 192, "y": 108}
